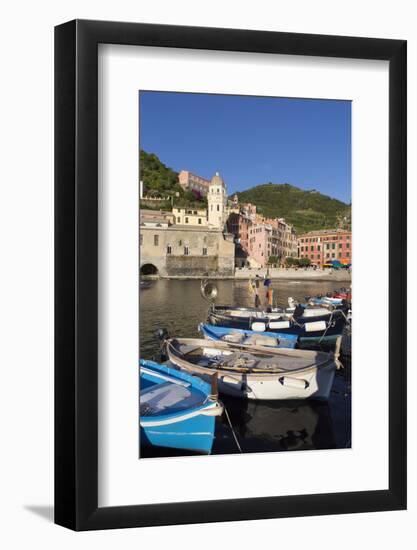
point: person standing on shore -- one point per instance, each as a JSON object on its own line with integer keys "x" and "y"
{"x": 254, "y": 287}
{"x": 270, "y": 298}
{"x": 257, "y": 299}
{"x": 269, "y": 294}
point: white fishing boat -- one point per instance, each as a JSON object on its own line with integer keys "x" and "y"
{"x": 257, "y": 372}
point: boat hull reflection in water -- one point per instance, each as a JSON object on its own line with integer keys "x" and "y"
{"x": 282, "y": 427}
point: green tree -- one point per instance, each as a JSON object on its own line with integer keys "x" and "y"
{"x": 304, "y": 262}
{"x": 306, "y": 210}
{"x": 290, "y": 261}
{"x": 160, "y": 180}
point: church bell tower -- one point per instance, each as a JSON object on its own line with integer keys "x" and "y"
{"x": 217, "y": 201}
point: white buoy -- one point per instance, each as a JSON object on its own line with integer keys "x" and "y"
{"x": 279, "y": 324}
{"x": 315, "y": 326}
{"x": 297, "y": 383}
{"x": 258, "y": 327}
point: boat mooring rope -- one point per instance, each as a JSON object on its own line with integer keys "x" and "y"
{"x": 233, "y": 431}
{"x": 327, "y": 328}
{"x": 330, "y": 320}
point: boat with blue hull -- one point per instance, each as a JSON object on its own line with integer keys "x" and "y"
{"x": 325, "y": 300}
{"x": 177, "y": 409}
{"x": 329, "y": 302}
{"x": 248, "y": 337}
{"x": 311, "y": 325}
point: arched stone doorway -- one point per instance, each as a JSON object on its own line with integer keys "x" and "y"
{"x": 149, "y": 270}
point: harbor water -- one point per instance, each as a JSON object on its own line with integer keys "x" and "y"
{"x": 255, "y": 426}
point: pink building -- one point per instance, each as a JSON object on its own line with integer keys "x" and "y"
{"x": 276, "y": 237}
{"x": 192, "y": 182}
{"x": 260, "y": 238}
{"x": 260, "y": 234}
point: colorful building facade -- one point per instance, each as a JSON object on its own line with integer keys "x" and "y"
{"x": 260, "y": 238}
{"x": 324, "y": 246}
{"x": 239, "y": 225}
{"x": 191, "y": 216}
{"x": 283, "y": 240}
{"x": 260, "y": 242}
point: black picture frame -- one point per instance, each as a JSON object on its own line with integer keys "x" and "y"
{"x": 76, "y": 272}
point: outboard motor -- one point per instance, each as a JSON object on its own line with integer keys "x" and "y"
{"x": 292, "y": 302}
{"x": 345, "y": 305}
{"x": 298, "y": 312}
{"x": 162, "y": 334}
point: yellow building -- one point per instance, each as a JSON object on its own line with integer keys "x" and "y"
{"x": 190, "y": 216}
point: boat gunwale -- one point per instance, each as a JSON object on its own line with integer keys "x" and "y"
{"x": 208, "y": 408}
{"x": 196, "y": 384}
{"x": 208, "y": 329}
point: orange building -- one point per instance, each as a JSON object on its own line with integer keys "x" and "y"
{"x": 323, "y": 246}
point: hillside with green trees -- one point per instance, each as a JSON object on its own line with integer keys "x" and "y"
{"x": 161, "y": 181}
{"x": 306, "y": 210}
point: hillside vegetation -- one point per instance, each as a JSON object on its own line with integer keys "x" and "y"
{"x": 161, "y": 181}
{"x": 306, "y": 210}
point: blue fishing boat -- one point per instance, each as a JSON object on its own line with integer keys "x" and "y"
{"x": 311, "y": 325}
{"x": 248, "y": 337}
{"x": 177, "y": 409}
{"x": 326, "y": 301}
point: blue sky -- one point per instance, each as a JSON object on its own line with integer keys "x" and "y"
{"x": 251, "y": 140}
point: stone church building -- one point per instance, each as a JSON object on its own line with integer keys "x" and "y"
{"x": 187, "y": 242}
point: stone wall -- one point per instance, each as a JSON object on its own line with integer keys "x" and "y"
{"x": 178, "y": 251}
{"x": 191, "y": 266}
